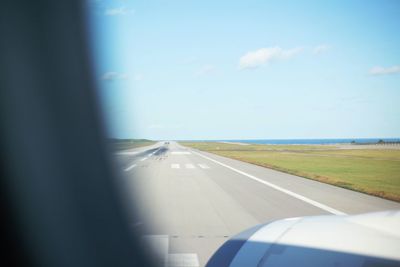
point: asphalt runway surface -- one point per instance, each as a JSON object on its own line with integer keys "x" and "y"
{"x": 190, "y": 202}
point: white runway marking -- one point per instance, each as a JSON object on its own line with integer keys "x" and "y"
{"x": 143, "y": 159}
{"x": 154, "y": 152}
{"x": 130, "y": 167}
{"x": 189, "y": 166}
{"x": 183, "y": 260}
{"x": 127, "y": 153}
{"x": 180, "y": 153}
{"x": 203, "y": 166}
{"x": 159, "y": 245}
{"x": 175, "y": 166}
{"x": 290, "y": 193}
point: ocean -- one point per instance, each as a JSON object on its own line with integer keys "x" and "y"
{"x": 309, "y": 141}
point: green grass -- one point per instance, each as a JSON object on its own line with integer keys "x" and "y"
{"x": 372, "y": 171}
{"x": 123, "y": 144}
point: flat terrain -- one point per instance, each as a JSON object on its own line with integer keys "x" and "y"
{"x": 190, "y": 202}
{"x": 367, "y": 169}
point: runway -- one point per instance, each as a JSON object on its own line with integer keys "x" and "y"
{"x": 190, "y": 202}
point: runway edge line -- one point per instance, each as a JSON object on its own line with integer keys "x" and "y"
{"x": 283, "y": 190}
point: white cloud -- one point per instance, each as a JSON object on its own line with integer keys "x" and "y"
{"x": 319, "y": 49}
{"x": 113, "y": 76}
{"x": 206, "y": 70}
{"x": 117, "y": 11}
{"x": 254, "y": 59}
{"x": 384, "y": 71}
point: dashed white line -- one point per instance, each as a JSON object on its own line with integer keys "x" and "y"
{"x": 159, "y": 245}
{"x": 283, "y": 190}
{"x": 130, "y": 167}
{"x": 154, "y": 152}
{"x": 203, "y": 166}
{"x": 189, "y": 166}
{"x": 142, "y": 159}
{"x": 127, "y": 153}
{"x": 182, "y": 260}
{"x": 175, "y": 166}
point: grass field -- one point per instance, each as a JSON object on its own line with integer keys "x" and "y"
{"x": 372, "y": 171}
{"x": 123, "y": 144}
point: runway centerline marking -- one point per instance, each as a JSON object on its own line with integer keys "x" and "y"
{"x": 203, "y": 166}
{"x": 182, "y": 260}
{"x": 130, "y": 167}
{"x": 189, "y": 166}
{"x": 160, "y": 244}
{"x": 175, "y": 166}
{"x": 154, "y": 152}
{"x": 283, "y": 190}
{"x": 128, "y": 153}
{"x": 143, "y": 159}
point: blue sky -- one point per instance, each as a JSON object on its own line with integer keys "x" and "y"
{"x": 248, "y": 69}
